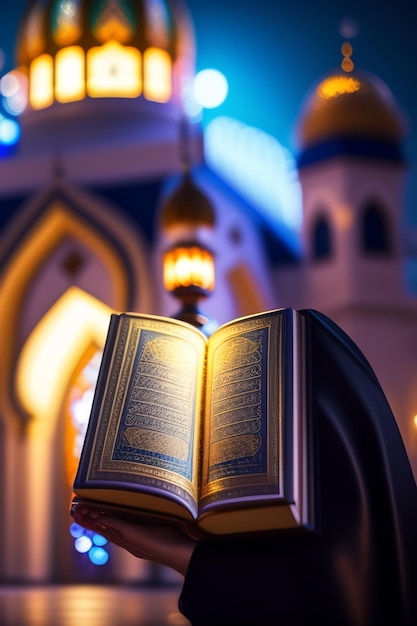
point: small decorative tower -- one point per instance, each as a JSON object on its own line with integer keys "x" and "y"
{"x": 352, "y": 173}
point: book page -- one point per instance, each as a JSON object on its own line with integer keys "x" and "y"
{"x": 149, "y": 423}
{"x": 242, "y": 438}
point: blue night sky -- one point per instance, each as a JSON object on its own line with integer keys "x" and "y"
{"x": 272, "y": 52}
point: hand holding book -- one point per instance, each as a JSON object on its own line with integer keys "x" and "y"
{"x": 165, "y": 545}
{"x": 210, "y": 434}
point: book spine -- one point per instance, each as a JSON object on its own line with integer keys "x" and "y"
{"x": 289, "y": 363}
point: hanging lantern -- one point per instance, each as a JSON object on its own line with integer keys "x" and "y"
{"x": 188, "y": 220}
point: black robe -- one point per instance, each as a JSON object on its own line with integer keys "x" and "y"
{"x": 359, "y": 567}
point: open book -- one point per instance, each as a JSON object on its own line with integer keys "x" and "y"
{"x": 210, "y": 433}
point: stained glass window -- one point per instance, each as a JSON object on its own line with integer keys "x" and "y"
{"x": 78, "y": 410}
{"x": 158, "y": 22}
{"x": 113, "y": 19}
{"x": 66, "y": 22}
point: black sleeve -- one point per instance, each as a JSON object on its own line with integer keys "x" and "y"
{"x": 360, "y": 565}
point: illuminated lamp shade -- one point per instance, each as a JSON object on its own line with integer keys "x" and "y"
{"x": 188, "y": 263}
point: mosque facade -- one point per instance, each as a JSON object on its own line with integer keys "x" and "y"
{"x": 104, "y": 135}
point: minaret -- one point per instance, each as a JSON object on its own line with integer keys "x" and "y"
{"x": 352, "y": 173}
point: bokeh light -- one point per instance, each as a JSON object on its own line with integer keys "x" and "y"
{"x": 210, "y": 88}
{"x": 257, "y": 166}
{"x": 89, "y": 543}
{"x": 98, "y": 556}
{"x": 14, "y": 92}
{"x": 99, "y": 540}
{"x": 9, "y": 131}
{"x": 83, "y": 544}
{"x": 76, "y": 530}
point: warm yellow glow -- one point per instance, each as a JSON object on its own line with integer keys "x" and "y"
{"x": 69, "y": 74}
{"x": 113, "y": 24}
{"x": 54, "y": 348}
{"x": 344, "y": 217}
{"x": 415, "y": 421}
{"x": 114, "y": 70}
{"x": 78, "y": 408}
{"x": 45, "y": 237}
{"x": 337, "y": 85}
{"x": 185, "y": 266}
{"x": 41, "y": 93}
{"x": 157, "y": 83}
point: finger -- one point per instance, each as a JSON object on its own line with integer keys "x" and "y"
{"x": 90, "y": 518}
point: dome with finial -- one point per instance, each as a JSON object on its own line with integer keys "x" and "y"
{"x": 349, "y": 105}
{"x": 77, "y": 49}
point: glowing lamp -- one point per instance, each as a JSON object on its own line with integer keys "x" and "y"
{"x": 188, "y": 220}
{"x": 189, "y": 271}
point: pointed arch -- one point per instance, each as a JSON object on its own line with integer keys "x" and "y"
{"x": 67, "y": 338}
{"x": 62, "y": 242}
{"x": 64, "y": 238}
{"x": 72, "y": 328}
{"x": 375, "y": 235}
{"x": 53, "y": 351}
{"x": 322, "y": 243}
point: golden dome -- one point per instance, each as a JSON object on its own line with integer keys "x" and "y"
{"x": 73, "y": 49}
{"x": 49, "y": 25}
{"x": 349, "y": 105}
